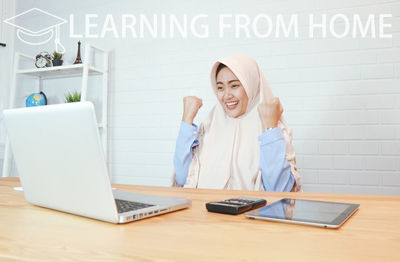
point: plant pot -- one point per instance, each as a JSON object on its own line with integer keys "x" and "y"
{"x": 57, "y": 62}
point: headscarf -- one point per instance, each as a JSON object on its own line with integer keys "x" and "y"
{"x": 228, "y": 155}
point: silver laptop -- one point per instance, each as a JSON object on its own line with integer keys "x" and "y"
{"x": 61, "y": 164}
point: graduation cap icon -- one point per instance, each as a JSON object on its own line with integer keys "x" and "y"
{"x": 37, "y": 27}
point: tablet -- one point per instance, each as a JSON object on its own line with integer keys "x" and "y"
{"x": 308, "y": 212}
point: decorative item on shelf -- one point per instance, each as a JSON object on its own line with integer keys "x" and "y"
{"x": 36, "y": 99}
{"x": 72, "y": 97}
{"x": 57, "y": 59}
{"x": 78, "y": 59}
{"x": 43, "y": 60}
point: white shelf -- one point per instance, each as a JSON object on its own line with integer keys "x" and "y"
{"x": 67, "y": 71}
{"x": 60, "y": 71}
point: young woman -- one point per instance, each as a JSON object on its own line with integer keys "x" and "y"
{"x": 243, "y": 143}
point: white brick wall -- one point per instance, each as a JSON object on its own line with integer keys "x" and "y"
{"x": 341, "y": 96}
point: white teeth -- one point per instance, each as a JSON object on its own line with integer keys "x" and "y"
{"x": 232, "y": 103}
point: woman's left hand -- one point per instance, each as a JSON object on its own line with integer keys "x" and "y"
{"x": 270, "y": 112}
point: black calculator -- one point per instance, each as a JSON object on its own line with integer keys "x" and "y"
{"x": 236, "y": 205}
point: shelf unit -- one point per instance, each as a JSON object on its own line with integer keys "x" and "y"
{"x": 60, "y": 71}
{"x": 84, "y": 70}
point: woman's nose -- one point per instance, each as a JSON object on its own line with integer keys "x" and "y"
{"x": 227, "y": 94}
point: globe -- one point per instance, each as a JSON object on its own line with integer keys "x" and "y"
{"x": 36, "y": 99}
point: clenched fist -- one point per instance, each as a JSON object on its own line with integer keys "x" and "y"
{"x": 191, "y": 106}
{"x": 270, "y": 112}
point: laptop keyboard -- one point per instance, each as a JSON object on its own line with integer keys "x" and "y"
{"x": 126, "y": 206}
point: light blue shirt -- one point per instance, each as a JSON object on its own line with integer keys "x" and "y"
{"x": 275, "y": 169}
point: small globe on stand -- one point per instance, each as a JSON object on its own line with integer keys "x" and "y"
{"x": 36, "y": 99}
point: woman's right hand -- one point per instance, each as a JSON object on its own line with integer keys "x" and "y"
{"x": 191, "y": 106}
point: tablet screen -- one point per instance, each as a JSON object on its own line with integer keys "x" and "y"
{"x": 310, "y": 211}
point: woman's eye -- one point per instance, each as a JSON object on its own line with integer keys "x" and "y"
{"x": 219, "y": 88}
{"x": 234, "y": 86}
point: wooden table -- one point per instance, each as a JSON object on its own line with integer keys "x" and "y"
{"x": 30, "y": 233}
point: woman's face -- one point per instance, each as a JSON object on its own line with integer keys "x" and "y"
{"x": 231, "y": 93}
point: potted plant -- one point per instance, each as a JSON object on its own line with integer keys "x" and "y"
{"x": 57, "y": 59}
{"x": 72, "y": 97}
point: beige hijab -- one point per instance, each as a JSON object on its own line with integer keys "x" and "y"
{"x": 229, "y": 151}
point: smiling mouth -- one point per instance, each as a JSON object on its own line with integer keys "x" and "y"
{"x": 231, "y": 105}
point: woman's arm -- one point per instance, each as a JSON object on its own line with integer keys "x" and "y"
{"x": 275, "y": 169}
{"x": 187, "y": 139}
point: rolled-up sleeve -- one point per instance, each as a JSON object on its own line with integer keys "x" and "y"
{"x": 275, "y": 169}
{"x": 187, "y": 139}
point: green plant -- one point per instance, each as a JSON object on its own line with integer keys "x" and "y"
{"x": 57, "y": 56}
{"x": 72, "y": 97}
